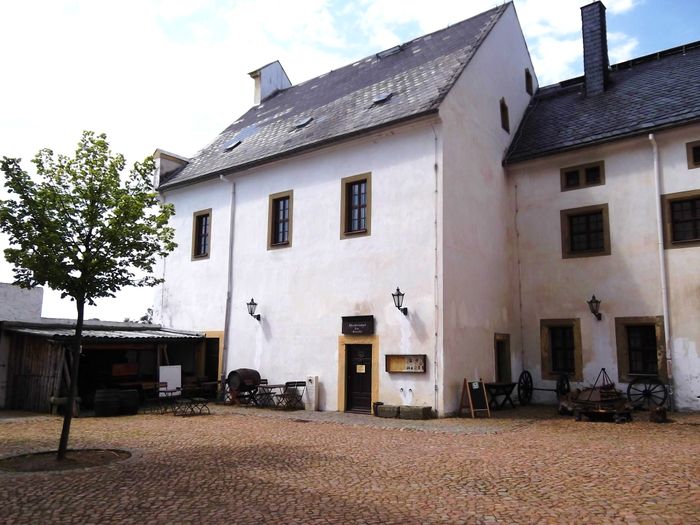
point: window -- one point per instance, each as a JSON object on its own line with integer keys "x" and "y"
{"x": 528, "y": 81}
{"x": 356, "y": 206}
{"x": 560, "y": 342}
{"x": 505, "y": 121}
{"x": 681, "y": 219}
{"x": 583, "y": 176}
{"x": 279, "y": 231}
{"x": 640, "y": 347}
{"x": 201, "y": 234}
{"x": 693, "y": 151}
{"x": 585, "y": 232}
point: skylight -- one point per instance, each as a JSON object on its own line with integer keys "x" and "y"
{"x": 231, "y": 144}
{"x": 389, "y": 52}
{"x": 382, "y": 97}
{"x": 301, "y": 123}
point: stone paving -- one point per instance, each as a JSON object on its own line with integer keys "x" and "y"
{"x": 245, "y": 466}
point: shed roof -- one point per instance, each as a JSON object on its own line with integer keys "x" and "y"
{"x": 342, "y": 104}
{"x": 649, "y": 93}
{"x": 101, "y": 332}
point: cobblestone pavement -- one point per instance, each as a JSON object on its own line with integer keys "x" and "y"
{"x": 245, "y": 466}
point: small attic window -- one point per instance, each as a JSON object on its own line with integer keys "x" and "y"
{"x": 302, "y": 123}
{"x": 232, "y": 144}
{"x": 505, "y": 121}
{"x": 389, "y": 52}
{"x": 528, "y": 81}
{"x": 382, "y": 97}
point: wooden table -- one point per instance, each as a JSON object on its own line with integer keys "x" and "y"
{"x": 502, "y": 390}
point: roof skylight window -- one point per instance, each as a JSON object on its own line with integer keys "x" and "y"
{"x": 231, "y": 144}
{"x": 302, "y": 123}
{"x": 390, "y": 51}
{"x": 382, "y": 97}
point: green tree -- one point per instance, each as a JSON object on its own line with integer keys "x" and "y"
{"x": 83, "y": 229}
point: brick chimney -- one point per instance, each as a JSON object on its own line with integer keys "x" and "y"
{"x": 595, "y": 48}
{"x": 269, "y": 80}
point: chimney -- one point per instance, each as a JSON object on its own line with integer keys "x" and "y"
{"x": 166, "y": 163}
{"x": 269, "y": 80}
{"x": 595, "y": 48}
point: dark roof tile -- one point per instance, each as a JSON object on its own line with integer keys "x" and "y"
{"x": 341, "y": 101}
{"x": 644, "y": 95}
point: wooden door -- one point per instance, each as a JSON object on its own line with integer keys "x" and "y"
{"x": 358, "y": 380}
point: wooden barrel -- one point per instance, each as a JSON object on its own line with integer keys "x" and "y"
{"x": 107, "y": 402}
{"x": 243, "y": 380}
{"x": 129, "y": 402}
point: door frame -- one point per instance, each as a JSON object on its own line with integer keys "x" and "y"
{"x": 373, "y": 342}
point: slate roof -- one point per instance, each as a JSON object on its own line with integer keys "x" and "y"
{"x": 645, "y": 94}
{"x": 341, "y": 104}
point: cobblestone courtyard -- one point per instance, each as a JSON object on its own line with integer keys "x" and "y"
{"x": 242, "y": 466}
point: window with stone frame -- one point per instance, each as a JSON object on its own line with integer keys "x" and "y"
{"x": 681, "y": 217}
{"x": 585, "y": 232}
{"x": 582, "y": 176}
{"x": 560, "y": 346}
{"x": 280, "y": 220}
{"x": 201, "y": 234}
{"x": 356, "y": 206}
{"x": 640, "y": 347}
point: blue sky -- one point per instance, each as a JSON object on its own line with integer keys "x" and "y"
{"x": 171, "y": 74}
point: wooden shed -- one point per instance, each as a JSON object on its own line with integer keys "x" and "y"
{"x": 113, "y": 355}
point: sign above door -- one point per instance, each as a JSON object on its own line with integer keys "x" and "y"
{"x": 358, "y": 325}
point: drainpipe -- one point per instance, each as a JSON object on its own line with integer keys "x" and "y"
{"x": 436, "y": 277}
{"x": 662, "y": 271}
{"x": 229, "y": 284}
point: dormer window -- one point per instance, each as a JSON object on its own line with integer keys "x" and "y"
{"x": 528, "y": 82}
{"x": 303, "y": 122}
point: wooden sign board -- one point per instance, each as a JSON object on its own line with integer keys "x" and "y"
{"x": 405, "y": 363}
{"x": 474, "y": 397}
{"x": 358, "y": 325}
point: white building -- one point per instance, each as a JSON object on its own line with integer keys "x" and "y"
{"x": 327, "y": 195}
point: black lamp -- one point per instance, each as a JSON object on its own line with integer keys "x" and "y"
{"x": 398, "y": 300}
{"x": 252, "y": 305}
{"x": 594, "y": 305}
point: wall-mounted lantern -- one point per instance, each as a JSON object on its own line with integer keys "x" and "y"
{"x": 252, "y": 305}
{"x": 594, "y": 305}
{"x": 398, "y": 300}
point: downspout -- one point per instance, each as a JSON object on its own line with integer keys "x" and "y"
{"x": 662, "y": 272}
{"x": 436, "y": 276}
{"x": 520, "y": 281}
{"x": 229, "y": 284}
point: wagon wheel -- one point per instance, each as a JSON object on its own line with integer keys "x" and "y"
{"x": 563, "y": 386}
{"x": 524, "y": 388}
{"x": 643, "y": 391}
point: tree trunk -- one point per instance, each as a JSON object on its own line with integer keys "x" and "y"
{"x": 73, "y": 388}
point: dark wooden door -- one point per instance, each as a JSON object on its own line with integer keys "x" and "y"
{"x": 502, "y": 348}
{"x": 358, "y": 381}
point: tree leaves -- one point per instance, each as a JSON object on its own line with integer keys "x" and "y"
{"x": 84, "y": 228}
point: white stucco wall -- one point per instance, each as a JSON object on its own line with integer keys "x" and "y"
{"x": 303, "y": 290}
{"x": 480, "y": 271}
{"x": 19, "y": 304}
{"x": 628, "y": 280}
{"x": 193, "y": 296}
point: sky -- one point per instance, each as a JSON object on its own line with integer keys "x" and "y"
{"x": 172, "y": 74}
